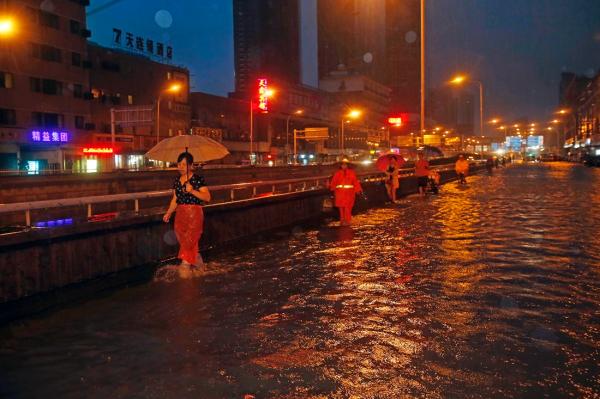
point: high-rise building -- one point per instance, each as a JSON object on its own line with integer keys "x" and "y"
{"x": 453, "y": 108}
{"x": 266, "y": 42}
{"x": 352, "y": 34}
{"x": 376, "y": 38}
{"x": 403, "y": 54}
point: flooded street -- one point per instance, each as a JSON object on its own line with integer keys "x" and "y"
{"x": 488, "y": 291}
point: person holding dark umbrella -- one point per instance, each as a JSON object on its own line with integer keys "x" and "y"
{"x": 345, "y": 186}
{"x": 189, "y": 194}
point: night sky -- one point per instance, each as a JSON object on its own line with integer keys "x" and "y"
{"x": 517, "y": 48}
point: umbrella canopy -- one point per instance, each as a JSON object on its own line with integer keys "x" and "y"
{"x": 383, "y": 162}
{"x": 203, "y": 149}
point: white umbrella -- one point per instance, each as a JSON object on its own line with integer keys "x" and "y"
{"x": 203, "y": 149}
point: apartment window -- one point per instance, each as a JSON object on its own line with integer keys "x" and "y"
{"x": 50, "y": 20}
{"x": 76, "y": 59}
{"x": 32, "y": 14}
{"x": 50, "y": 53}
{"x": 169, "y": 76}
{"x": 79, "y": 122}
{"x": 35, "y": 84}
{"x": 46, "y": 86}
{"x": 75, "y": 27}
{"x": 6, "y": 80}
{"x": 45, "y": 52}
{"x": 110, "y": 66}
{"x": 77, "y": 90}
{"x": 43, "y": 119}
{"x": 52, "y": 87}
{"x": 35, "y": 50}
{"x": 8, "y": 117}
{"x": 130, "y": 99}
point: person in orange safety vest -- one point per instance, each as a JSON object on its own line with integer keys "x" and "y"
{"x": 345, "y": 186}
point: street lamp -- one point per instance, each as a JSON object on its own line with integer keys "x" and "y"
{"x": 352, "y": 114}
{"x": 172, "y": 89}
{"x": 287, "y": 133}
{"x": 7, "y": 27}
{"x": 459, "y": 80}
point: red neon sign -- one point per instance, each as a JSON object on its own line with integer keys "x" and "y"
{"x": 263, "y": 95}
{"x": 396, "y": 121}
{"x": 101, "y": 150}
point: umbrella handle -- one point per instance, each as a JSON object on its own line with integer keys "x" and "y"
{"x": 187, "y": 168}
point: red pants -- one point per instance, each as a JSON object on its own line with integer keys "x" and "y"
{"x": 189, "y": 221}
{"x": 345, "y": 214}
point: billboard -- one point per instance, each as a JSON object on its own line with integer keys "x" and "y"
{"x": 535, "y": 142}
{"x": 513, "y": 143}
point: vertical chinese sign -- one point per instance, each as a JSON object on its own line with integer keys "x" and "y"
{"x": 263, "y": 96}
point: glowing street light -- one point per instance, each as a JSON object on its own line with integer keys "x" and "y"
{"x": 7, "y": 27}
{"x": 495, "y": 121}
{"x": 287, "y": 134}
{"x": 458, "y": 80}
{"x": 352, "y": 114}
{"x": 172, "y": 89}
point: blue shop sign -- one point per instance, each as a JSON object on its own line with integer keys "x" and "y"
{"x": 50, "y": 136}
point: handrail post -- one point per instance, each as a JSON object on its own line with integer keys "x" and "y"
{"x": 89, "y": 210}
{"x": 254, "y": 191}
{"x": 290, "y": 188}
{"x": 28, "y": 218}
{"x": 231, "y": 194}
{"x": 137, "y": 205}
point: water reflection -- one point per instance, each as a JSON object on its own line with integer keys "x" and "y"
{"x": 488, "y": 291}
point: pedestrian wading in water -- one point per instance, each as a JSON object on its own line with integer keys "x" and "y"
{"x": 345, "y": 186}
{"x": 392, "y": 182}
{"x": 422, "y": 173}
{"x": 189, "y": 194}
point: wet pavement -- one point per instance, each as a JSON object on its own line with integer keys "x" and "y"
{"x": 485, "y": 291}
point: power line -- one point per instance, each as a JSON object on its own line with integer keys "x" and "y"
{"x": 103, "y": 7}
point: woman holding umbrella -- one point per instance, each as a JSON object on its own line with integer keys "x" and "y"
{"x": 189, "y": 194}
{"x": 345, "y": 186}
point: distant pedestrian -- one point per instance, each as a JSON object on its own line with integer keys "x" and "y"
{"x": 489, "y": 165}
{"x": 392, "y": 181}
{"x": 462, "y": 169}
{"x": 345, "y": 186}
{"x": 189, "y": 194}
{"x": 422, "y": 173}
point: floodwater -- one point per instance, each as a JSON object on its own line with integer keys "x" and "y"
{"x": 488, "y": 291}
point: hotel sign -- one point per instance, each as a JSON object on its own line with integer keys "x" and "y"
{"x": 48, "y": 136}
{"x": 140, "y": 44}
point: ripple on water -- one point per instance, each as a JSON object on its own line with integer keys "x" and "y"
{"x": 487, "y": 291}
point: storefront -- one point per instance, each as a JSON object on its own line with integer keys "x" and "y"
{"x": 44, "y": 151}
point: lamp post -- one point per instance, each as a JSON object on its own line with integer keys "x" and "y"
{"x": 174, "y": 88}
{"x": 287, "y": 133}
{"x": 422, "y": 107}
{"x": 460, "y": 79}
{"x": 352, "y": 114}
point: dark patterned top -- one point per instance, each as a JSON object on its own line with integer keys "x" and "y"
{"x": 185, "y": 198}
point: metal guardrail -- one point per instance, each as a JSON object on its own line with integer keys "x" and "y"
{"x": 292, "y": 185}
